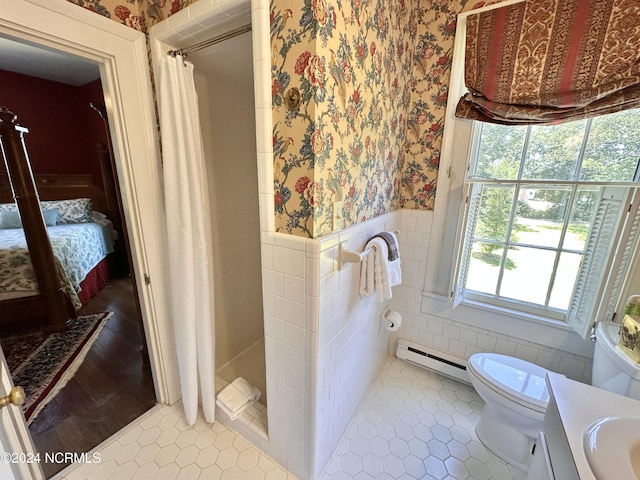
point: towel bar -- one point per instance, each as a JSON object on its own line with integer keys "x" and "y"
{"x": 351, "y": 256}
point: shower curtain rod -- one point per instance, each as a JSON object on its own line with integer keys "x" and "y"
{"x": 212, "y": 41}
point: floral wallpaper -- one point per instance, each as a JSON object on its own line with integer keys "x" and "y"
{"x": 351, "y": 61}
{"x": 373, "y": 80}
{"x": 373, "y": 76}
{"x": 138, "y": 14}
{"x": 429, "y": 90}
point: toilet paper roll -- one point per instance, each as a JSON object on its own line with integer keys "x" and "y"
{"x": 394, "y": 319}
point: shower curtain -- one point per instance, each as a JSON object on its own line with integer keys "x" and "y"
{"x": 187, "y": 212}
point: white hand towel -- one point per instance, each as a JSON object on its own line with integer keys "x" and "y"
{"x": 367, "y": 272}
{"x": 236, "y": 397}
{"x": 393, "y": 269}
{"x": 380, "y": 254}
{"x": 377, "y": 273}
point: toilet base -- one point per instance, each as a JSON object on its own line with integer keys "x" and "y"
{"x": 504, "y": 441}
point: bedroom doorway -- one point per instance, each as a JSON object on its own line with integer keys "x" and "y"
{"x": 120, "y": 54}
{"x": 113, "y": 384}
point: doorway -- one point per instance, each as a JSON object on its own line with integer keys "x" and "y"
{"x": 196, "y": 26}
{"x": 120, "y": 54}
{"x": 53, "y": 94}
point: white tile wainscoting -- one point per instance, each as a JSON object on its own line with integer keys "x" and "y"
{"x": 324, "y": 344}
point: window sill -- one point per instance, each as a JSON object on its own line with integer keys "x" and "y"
{"x": 502, "y": 311}
{"x": 500, "y": 321}
{"x": 529, "y": 317}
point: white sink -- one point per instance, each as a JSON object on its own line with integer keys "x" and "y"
{"x": 612, "y": 448}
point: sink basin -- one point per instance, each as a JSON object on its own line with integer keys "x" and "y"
{"x": 612, "y": 448}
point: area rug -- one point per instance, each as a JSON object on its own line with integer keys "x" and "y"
{"x": 42, "y": 363}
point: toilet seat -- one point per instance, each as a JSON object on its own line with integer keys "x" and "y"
{"x": 518, "y": 380}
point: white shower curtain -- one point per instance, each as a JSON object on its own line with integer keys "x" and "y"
{"x": 186, "y": 206}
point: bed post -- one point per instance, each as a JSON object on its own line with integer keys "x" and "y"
{"x": 57, "y": 306}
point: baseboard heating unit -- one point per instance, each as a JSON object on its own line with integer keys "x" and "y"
{"x": 432, "y": 359}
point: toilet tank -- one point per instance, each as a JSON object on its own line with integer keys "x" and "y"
{"x": 613, "y": 370}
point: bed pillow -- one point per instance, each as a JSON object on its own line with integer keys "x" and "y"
{"x": 8, "y": 207}
{"x": 51, "y": 216}
{"x": 9, "y": 219}
{"x": 77, "y": 210}
{"x": 97, "y": 216}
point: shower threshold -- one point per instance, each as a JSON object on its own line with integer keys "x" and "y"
{"x": 249, "y": 365}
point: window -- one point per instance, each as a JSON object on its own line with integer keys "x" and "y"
{"x": 550, "y": 216}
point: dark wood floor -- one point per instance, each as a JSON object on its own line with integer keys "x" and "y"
{"x": 112, "y": 387}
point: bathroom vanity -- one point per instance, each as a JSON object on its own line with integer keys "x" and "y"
{"x": 588, "y": 434}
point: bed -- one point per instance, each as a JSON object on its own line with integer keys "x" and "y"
{"x": 79, "y": 248}
{"x": 59, "y": 288}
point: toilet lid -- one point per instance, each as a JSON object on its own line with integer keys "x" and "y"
{"x": 523, "y": 381}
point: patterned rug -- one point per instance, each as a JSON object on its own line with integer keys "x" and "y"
{"x": 42, "y": 363}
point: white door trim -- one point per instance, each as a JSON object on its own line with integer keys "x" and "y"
{"x": 121, "y": 54}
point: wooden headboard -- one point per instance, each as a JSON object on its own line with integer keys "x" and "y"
{"x": 52, "y": 186}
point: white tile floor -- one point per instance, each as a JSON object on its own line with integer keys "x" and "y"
{"x": 416, "y": 424}
{"x": 160, "y": 446}
{"x": 413, "y": 424}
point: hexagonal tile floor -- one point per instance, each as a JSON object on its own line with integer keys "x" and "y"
{"x": 161, "y": 446}
{"x": 416, "y": 424}
{"x": 413, "y": 424}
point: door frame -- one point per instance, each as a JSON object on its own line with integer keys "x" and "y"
{"x": 121, "y": 54}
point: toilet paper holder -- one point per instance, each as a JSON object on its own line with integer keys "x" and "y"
{"x": 392, "y": 319}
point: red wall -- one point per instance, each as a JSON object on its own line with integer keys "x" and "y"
{"x": 63, "y": 129}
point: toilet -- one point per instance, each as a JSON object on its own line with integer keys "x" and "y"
{"x": 613, "y": 370}
{"x": 516, "y": 396}
{"x": 515, "y": 399}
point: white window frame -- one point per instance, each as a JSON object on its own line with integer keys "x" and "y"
{"x": 448, "y": 217}
{"x": 456, "y": 142}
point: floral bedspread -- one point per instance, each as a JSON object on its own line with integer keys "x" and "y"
{"x": 77, "y": 247}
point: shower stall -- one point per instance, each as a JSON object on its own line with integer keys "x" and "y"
{"x": 224, "y": 83}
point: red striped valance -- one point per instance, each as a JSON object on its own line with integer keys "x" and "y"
{"x": 547, "y": 61}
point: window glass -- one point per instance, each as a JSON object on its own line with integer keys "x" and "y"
{"x": 529, "y": 276}
{"x": 553, "y": 152}
{"x": 484, "y": 267}
{"x": 495, "y": 212}
{"x": 564, "y": 280}
{"x": 611, "y": 153}
{"x": 540, "y": 216}
{"x": 582, "y": 213}
{"x": 500, "y": 151}
{"x": 545, "y": 209}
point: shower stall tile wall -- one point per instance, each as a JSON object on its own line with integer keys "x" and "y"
{"x": 288, "y": 350}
